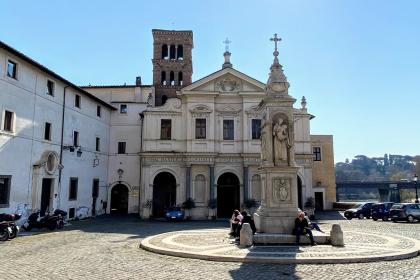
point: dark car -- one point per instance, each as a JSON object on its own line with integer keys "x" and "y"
{"x": 381, "y": 211}
{"x": 359, "y": 210}
{"x": 174, "y": 214}
{"x": 405, "y": 212}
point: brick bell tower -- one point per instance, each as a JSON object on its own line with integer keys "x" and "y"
{"x": 172, "y": 62}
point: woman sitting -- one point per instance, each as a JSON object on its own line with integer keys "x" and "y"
{"x": 234, "y": 222}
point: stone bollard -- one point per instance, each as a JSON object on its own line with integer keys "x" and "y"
{"x": 246, "y": 235}
{"x": 336, "y": 234}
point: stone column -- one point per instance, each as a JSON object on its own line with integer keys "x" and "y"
{"x": 246, "y": 184}
{"x": 188, "y": 182}
{"x": 212, "y": 185}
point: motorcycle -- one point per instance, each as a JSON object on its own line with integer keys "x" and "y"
{"x": 51, "y": 222}
{"x": 5, "y": 231}
{"x": 10, "y": 220}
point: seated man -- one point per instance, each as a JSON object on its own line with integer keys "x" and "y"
{"x": 302, "y": 227}
{"x": 313, "y": 225}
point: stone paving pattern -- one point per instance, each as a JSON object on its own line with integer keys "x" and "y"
{"x": 216, "y": 245}
{"x": 108, "y": 248}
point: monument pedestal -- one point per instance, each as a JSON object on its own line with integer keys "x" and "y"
{"x": 279, "y": 207}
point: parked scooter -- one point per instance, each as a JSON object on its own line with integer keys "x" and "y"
{"x": 10, "y": 220}
{"x": 5, "y": 231}
{"x": 52, "y": 222}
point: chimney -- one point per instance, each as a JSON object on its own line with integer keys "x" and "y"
{"x": 138, "y": 81}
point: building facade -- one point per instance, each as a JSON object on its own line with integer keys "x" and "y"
{"x": 142, "y": 148}
{"x": 54, "y": 140}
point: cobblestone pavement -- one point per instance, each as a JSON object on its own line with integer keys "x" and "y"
{"x": 108, "y": 248}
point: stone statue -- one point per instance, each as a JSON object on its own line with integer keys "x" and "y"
{"x": 265, "y": 142}
{"x": 150, "y": 100}
{"x": 281, "y": 141}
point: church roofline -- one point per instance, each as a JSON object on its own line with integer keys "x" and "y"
{"x": 114, "y": 86}
{"x": 41, "y": 67}
{"x": 227, "y": 70}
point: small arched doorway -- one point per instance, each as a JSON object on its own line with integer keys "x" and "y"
{"x": 164, "y": 193}
{"x": 119, "y": 199}
{"x": 299, "y": 190}
{"x": 227, "y": 195}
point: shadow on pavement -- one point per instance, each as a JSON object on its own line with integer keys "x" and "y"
{"x": 264, "y": 271}
{"x": 138, "y": 228}
{"x": 329, "y": 215}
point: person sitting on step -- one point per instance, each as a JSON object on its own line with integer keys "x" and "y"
{"x": 246, "y": 219}
{"x": 234, "y": 222}
{"x": 302, "y": 228}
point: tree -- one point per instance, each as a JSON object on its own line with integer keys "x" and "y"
{"x": 363, "y": 168}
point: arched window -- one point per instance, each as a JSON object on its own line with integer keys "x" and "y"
{"x": 256, "y": 187}
{"x": 172, "y": 78}
{"x": 180, "y": 54}
{"x": 180, "y": 81}
{"x": 163, "y": 78}
{"x": 164, "y": 98}
{"x": 172, "y": 52}
{"x": 200, "y": 188}
{"x": 165, "y": 51}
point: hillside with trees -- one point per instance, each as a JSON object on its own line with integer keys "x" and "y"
{"x": 386, "y": 168}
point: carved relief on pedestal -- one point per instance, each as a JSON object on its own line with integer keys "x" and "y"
{"x": 281, "y": 191}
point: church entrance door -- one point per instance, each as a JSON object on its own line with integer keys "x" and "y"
{"x": 46, "y": 197}
{"x": 119, "y": 199}
{"x": 227, "y": 195}
{"x": 164, "y": 193}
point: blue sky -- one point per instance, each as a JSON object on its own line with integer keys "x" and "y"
{"x": 356, "y": 62}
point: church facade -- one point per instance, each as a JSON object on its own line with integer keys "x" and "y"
{"x": 163, "y": 143}
{"x": 201, "y": 139}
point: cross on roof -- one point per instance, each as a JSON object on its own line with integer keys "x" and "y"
{"x": 227, "y": 42}
{"x": 275, "y": 39}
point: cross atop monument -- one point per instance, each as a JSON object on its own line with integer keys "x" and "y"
{"x": 227, "y": 42}
{"x": 275, "y": 39}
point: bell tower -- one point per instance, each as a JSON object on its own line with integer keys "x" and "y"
{"x": 172, "y": 62}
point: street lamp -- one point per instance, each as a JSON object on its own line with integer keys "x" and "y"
{"x": 415, "y": 185}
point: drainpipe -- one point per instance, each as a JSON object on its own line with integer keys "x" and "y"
{"x": 61, "y": 147}
{"x": 141, "y": 166}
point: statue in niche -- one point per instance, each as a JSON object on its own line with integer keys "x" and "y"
{"x": 281, "y": 141}
{"x": 264, "y": 142}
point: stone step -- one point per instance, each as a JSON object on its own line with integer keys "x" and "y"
{"x": 281, "y": 238}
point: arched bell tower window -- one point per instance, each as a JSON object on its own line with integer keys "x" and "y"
{"x": 180, "y": 52}
{"x": 180, "y": 81}
{"x": 172, "y": 52}
{"x": 163, "y": 78}
{"x": 165, "y": 51}
{"x": 172, "y": 78}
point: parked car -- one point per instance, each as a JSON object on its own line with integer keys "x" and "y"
{"x": 381, "y": 211}
{"x": 174, "y": 214}
{"x": 405, "y": 212}
{"x": 359, "y": 210}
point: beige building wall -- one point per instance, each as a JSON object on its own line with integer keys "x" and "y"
{"x": 323, "y": 171}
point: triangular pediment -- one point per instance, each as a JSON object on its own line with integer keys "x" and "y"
{"x": 227, "y": 80}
